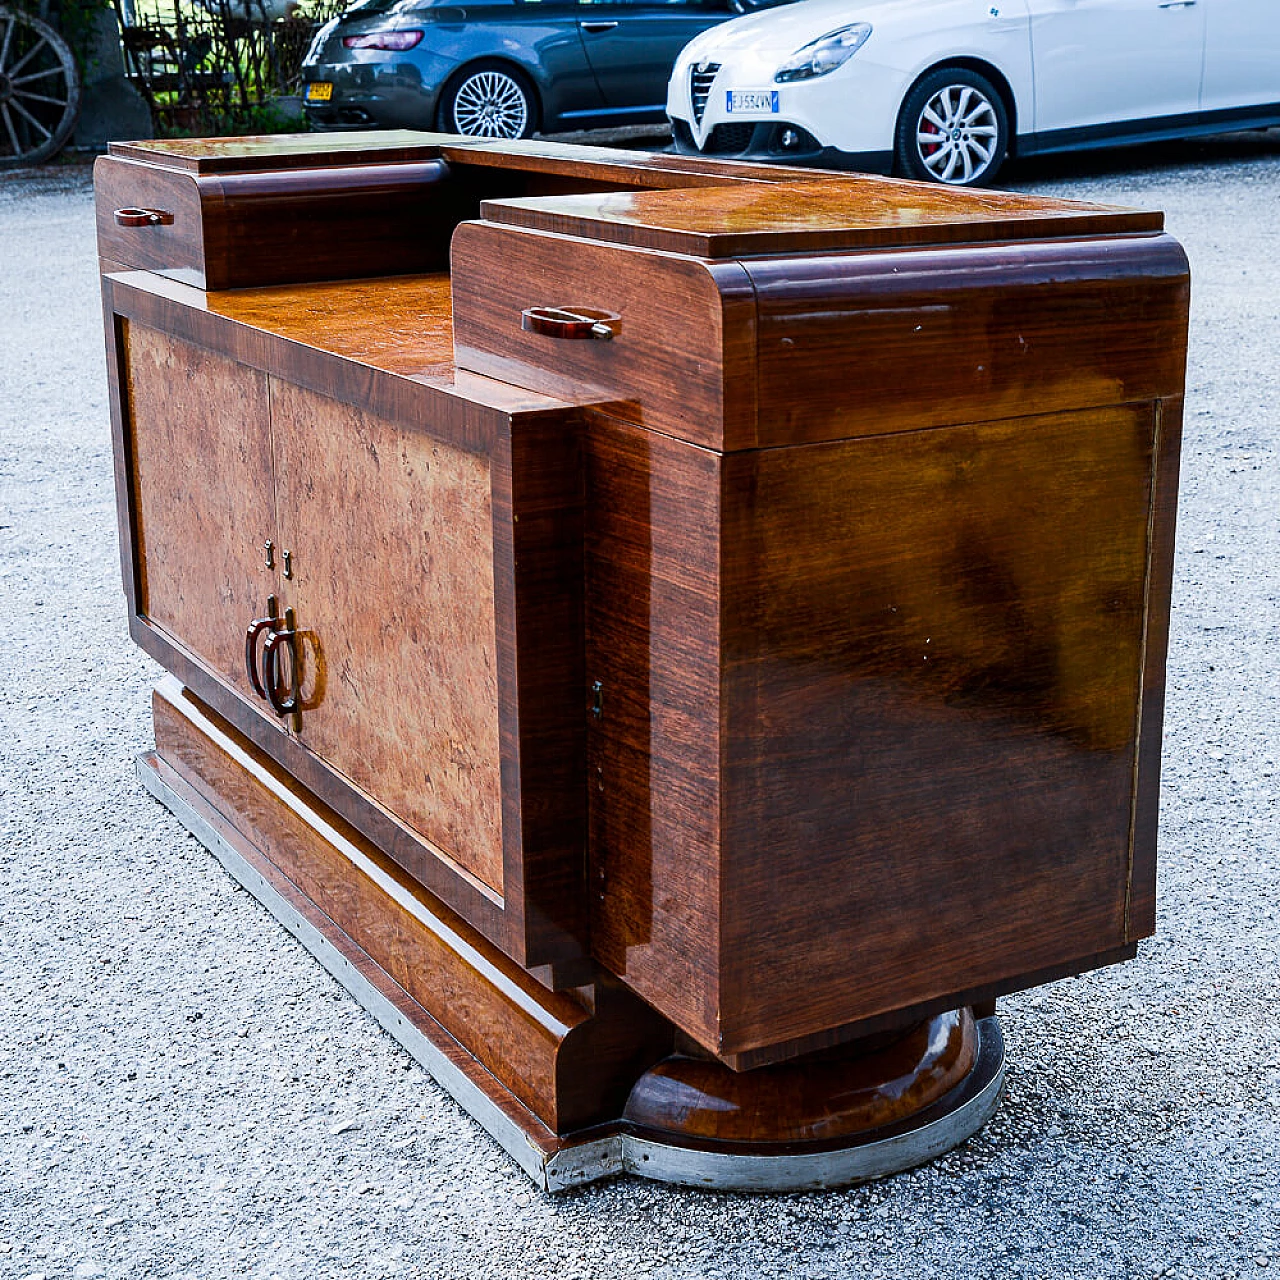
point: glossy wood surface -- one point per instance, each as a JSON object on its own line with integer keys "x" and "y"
{"x": 204, "y": 495}
{"x": 656, "y": 876}
{"x": 1140, "y": 911}
{"x": 403, "y": 325}
{"x": 391, "y": 537}
{"x": 539, "y": 918}
{"x": 816, "y": 1099}
{"x": 407, "y": 146}
{"x": 258, "y": 211}
{"x": 778, "y": 351}
{"x": 680, "y": 361}
{"x": 902, "y": 341}
{"x": 258, "y": 228}
{"x": 570, "y": 1060}
{"x": 933, "y": 652}
{"x": 827, "y": 600}
{"x": 811, "y": 217}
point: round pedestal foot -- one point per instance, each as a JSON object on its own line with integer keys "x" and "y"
{"x": 828, "y": 1120}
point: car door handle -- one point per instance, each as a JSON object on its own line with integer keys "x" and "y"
{"x": 594, "y": 27}
{"x": 1178, "y": 4}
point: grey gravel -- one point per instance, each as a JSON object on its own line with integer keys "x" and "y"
{"x": 185, "y": 1093}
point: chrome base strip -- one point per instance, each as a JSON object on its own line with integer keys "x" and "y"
{"x": 601, "y": 1157}
{"x": 813, "y": 1171}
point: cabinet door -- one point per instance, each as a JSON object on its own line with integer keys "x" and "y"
{"x": 390, "y": 535}
{"x": 200, "y": 473}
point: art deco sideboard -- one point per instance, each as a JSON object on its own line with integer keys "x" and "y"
{"x": 677, "y": 639}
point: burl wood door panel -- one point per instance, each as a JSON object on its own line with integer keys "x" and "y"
{"x": 934, "y": 655}
{"x": 199, "y": 440}
{"x": 391, "y": 540}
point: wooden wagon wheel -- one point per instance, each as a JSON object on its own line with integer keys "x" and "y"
{"x": 39, "y": 90}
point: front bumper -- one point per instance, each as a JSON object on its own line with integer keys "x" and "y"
{"x": 776, "y": 142}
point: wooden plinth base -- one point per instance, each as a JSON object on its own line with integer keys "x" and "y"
{"x": 573, "y": 1090}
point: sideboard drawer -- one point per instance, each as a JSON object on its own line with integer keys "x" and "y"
{"x": 231, "y": 230}
{"x": 680, "y": 328}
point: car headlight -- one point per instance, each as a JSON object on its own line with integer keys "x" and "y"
{"x": 822, "y": 56}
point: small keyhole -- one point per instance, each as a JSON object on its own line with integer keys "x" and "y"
{"x": 288, "y": 565}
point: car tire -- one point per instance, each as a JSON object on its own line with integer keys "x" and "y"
{"x": 968, "y": 116}
{"x": 488, "y": 100}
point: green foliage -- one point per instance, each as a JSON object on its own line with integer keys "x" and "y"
{"x": 75, "y": 19}
{"x": 251, "y": 119}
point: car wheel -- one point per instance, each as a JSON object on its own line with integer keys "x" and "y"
{"x": 488, "y": 101}
{"x": 954, "y": 129}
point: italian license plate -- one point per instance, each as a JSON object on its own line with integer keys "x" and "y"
{"x": 754, "y": 101}
{"x": 319, "y": 91}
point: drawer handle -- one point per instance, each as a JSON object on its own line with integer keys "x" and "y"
{"x": 571, "y": 322}
{"x": 257, "y": 629}
{"x": 283, "y": 704}
{"x": 143, "y": 218}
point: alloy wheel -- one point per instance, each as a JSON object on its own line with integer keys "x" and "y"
{"x": 957, "y": 134}
{"x": 491, "y": 104}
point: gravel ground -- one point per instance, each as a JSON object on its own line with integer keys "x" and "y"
{"x": 185, "y": 1093}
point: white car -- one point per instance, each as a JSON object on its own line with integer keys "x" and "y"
{"x": 944, "y": 90}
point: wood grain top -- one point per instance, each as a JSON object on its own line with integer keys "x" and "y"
{"x": 390, "y": 146}
{"x": 283, "y": 151}
{"x": 809, "y": 216}
{"x": 403, "y": 324}
{"x": 399, "y": 325}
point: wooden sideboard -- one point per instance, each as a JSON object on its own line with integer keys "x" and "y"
{"x": 678, "y": 639}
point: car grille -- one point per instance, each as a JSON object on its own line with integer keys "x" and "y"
{"x": 727, "y": 139}
{"x": 701, "y": 74}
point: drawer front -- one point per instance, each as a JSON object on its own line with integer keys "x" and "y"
{"x": 173, "y": 244}
{"x": 683, "y": 330}
{"x": 237, "y": 230}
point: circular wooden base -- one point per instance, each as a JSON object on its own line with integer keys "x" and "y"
{"x": 831, "y": 1119}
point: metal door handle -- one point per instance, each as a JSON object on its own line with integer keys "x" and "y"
{"x": 1178, "y": 4}
{"x": 282, "y": 705}
{"x": 594, "y": 27}
{"x": 257, "y": 629}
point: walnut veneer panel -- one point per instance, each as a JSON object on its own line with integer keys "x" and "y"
{"x": 392, "y": 539}
{"x": 919, "y": 338}
{"x": 934, "y": 644}
{"x": 654, "y": 762}
{"x": 199, "y": 455}
{"x": 281, "y": 151}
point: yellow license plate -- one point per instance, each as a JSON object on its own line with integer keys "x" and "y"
{"x": 319, "y": 91}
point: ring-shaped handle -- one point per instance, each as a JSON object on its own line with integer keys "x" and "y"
{"x": 257, "y": 628}
{"x": 571, "y": 322}
{"x": 282, "y": 705}
{"x": 135, "y": 217}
